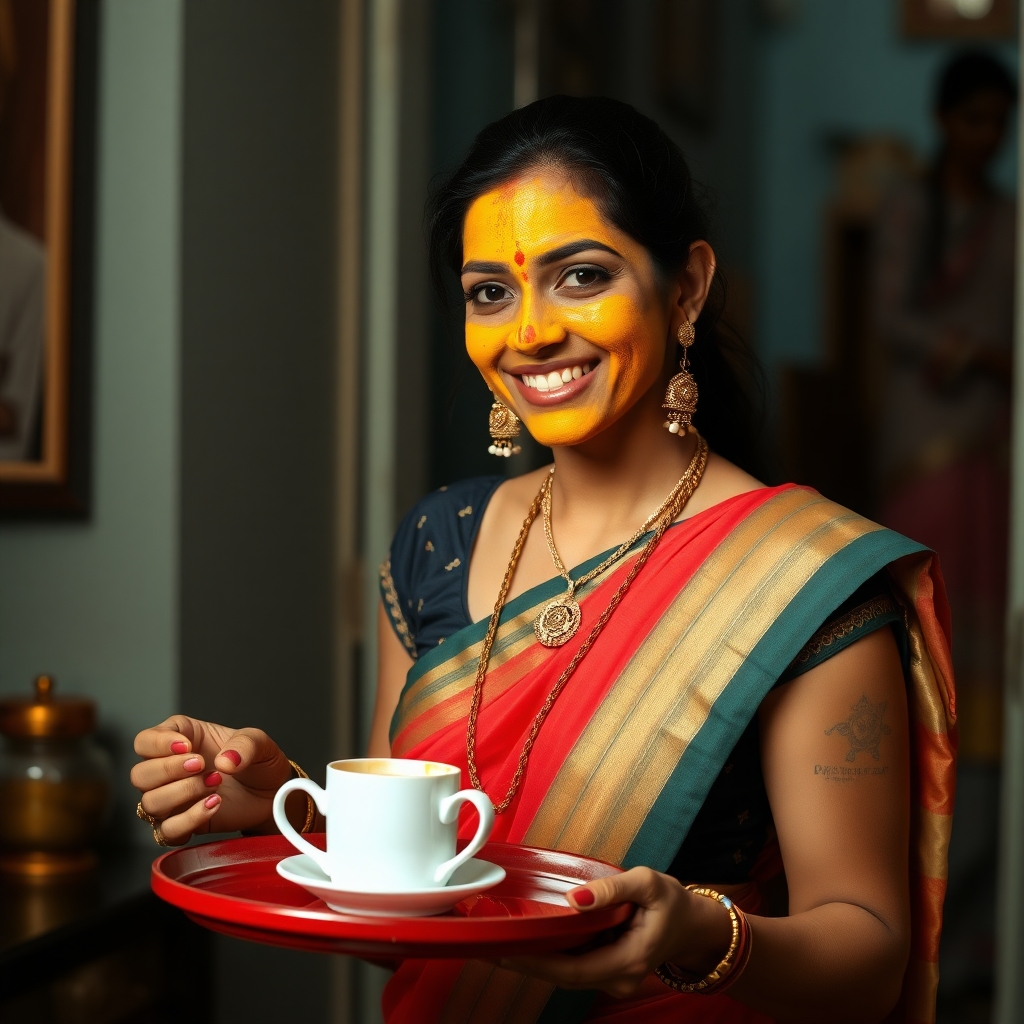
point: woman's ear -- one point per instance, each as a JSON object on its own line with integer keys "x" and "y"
{"x": 693, "y": 283}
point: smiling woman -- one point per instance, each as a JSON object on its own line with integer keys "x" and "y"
{"x": 546, "y": 275}
{"x": 727, "y": 692}
{"x": 674, "y": 708}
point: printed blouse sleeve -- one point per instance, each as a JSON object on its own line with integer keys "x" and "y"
{"x": 870, "y": 607}
{"x": 396, "y": 583}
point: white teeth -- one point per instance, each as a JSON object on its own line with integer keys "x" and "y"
{"x": 556, "y": 378}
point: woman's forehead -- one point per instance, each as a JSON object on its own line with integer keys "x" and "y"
{"x": 532, "y": 214}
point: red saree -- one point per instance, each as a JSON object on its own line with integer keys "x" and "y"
{"x": 629, "y": 751}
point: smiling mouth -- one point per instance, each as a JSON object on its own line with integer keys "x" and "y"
{"x": 556, "y": 379}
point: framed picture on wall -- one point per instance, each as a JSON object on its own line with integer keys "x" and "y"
{"x": 46, "y": 68}
{"x": 960, "y": 19}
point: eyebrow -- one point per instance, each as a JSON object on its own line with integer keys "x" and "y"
{"x": 572, "y": 248}
{"x": 484, "y": 267}
{"x": 561, "y": 253}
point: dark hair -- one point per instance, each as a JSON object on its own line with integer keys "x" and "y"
{"x": 967, "y": 74}
{"x": 639, "y": 177}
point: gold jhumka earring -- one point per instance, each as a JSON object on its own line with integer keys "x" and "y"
{"x": 505, "y": 426}
{"x": 681, "y": 393}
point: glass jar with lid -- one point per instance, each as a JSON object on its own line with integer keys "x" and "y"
{"x": 54, "y": 783}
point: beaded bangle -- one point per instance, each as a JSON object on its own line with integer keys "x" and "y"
{"x": 310, "y": 805}
{"x": 731, "y": 965}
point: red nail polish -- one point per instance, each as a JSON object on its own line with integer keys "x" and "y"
{"x": 179, "y": 747}
{"x": 211, "y": 801}
{"x": 193, "y": 764}
{"x": 233, "y": 756}
{"x": 214, "y": 779}
{"x": 583, "y": 897}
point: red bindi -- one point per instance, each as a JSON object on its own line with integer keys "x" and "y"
{"x": 519, "y": 257}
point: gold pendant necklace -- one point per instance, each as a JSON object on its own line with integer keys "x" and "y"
{"x": 560, "y": 619}
{"x": 669, "y": 512}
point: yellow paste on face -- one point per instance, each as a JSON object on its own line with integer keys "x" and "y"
{"x": 624, "y": 323}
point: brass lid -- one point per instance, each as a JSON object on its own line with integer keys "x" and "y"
{"x": 43, "y": 714}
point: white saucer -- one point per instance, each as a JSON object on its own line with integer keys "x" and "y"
{"x": 471, "y": 878}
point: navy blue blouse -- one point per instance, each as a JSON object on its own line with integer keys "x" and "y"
{"x": 424, "y": 582}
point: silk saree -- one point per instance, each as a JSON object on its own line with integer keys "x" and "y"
{"x": 630, "y": 749}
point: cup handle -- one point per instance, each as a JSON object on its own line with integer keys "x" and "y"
{"x": 449, "y": 809}
{"x": 310, "y": 788}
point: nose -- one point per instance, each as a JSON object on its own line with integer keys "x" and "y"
{"x": 537, "y": 327}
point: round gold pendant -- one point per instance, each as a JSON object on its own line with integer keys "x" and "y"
{"x": 558, "y": 622}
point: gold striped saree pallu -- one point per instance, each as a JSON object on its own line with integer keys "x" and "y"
{"x": 631, "y": 748}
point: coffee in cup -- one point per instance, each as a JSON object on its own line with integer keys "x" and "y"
{"x": 391, "y": 823}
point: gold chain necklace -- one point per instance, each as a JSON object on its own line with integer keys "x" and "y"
{"x": 560, "y": 619}
{"x": 682, "y": 492}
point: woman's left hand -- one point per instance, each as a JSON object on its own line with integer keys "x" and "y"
{"x": 670, "y": 923}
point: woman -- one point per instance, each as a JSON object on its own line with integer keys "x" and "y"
{"x": 726, "y": 702}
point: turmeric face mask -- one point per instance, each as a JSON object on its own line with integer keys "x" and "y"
{"x": 565, "y": 316}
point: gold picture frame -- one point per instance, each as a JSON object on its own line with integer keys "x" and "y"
{"x": 37, "y": 143}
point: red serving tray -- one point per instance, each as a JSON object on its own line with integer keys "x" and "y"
{"x": 233, "y": 887}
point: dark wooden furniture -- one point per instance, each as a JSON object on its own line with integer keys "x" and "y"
{"x": 100, "y": 949}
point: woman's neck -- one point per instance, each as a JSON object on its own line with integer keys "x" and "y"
{"x": 626, "y": 472}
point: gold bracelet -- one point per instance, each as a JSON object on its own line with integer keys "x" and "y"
{"x": 310, "y": 805}
{"x": 674, "y": 977}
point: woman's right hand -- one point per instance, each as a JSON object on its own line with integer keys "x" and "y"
{"x": 199, "y": 777}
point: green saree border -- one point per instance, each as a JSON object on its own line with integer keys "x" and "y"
{"x": 659, "y": 837}
{"x": 475, "y": 632}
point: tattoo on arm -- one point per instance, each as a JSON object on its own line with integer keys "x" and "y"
{"x": 843, "y": 773}
{"x": 863, "y": 730}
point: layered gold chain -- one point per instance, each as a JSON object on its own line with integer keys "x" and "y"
{"x": 559, "y": 620}
{"x": 664, "y": 517}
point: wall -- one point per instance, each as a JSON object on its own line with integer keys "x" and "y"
{"x": 94, "y": 602}
{"x": 256, "y": 413}
{"x": 720, "y": 153}
{"x": 839, "y": 68}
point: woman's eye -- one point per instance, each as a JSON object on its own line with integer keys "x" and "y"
{"x": 488, "y": 294}
{"x": 584, "y": 277}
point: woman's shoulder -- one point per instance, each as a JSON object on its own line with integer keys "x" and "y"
{"x": 722, "y": 481}
{"x": 422, "y": 576}
{"x": 446, "y": 519}
{"x": 467, "y": 496}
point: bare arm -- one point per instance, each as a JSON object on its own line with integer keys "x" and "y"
{"x": 843, "y": 829}
{"x": 835, "y": 753}
{"x": 393, "y": 664}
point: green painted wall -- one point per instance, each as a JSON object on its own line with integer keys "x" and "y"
{"x": 94, "y": 602}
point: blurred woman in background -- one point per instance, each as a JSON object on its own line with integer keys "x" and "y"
{"x": 944, "y": 284}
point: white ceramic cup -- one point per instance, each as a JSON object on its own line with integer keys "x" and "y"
{"x": 391, "y": 823}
